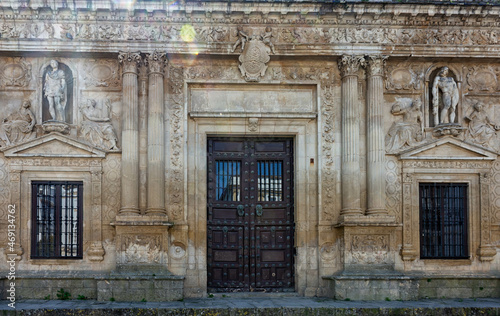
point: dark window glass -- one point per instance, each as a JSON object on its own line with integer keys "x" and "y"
{"x": 228, "y": 180}
{"x": 270, "y": 181}
{"x": 57, "y": 220}
{"x": 443, "y": 221}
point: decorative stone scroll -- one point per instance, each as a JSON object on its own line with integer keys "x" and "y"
{"x": 16, "y": 73}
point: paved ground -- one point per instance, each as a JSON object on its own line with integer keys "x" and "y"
{"x": 257, "y": 306}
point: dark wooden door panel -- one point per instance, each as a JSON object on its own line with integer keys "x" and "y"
{"x": 250, "y": 214}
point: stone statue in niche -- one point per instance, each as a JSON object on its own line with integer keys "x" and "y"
{"x": 482, "y": 130}
{"x": 444, "y": 98}
{"x": 18, "y": 126}
{"x": 56, "y": 92}
{"x": 96, "y": 126}
{"x": 408, "y": 132}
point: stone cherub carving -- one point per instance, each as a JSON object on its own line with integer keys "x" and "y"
{"x": 96, "y": 128}
{"x": 408, "y": 132}
{"x": 242, "y": 38}
{"x": 482, "y": 130}
{"x": 18, "y": 126}
{"x": 266, "y": 38}
{"x": 444, "y": 88}
{"x": 55, "y": 90}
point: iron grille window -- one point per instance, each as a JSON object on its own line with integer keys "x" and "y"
{"x": 443, "y": 221}
{"x": 57, "y": 209}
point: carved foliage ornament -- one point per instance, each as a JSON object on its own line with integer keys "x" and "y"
{"x": 156, "y": 61}
{"x": 349, "y": 65}
{"x": 130, "y": 61}
{"x": 375, "y": 65}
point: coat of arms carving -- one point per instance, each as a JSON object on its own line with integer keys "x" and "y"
{"x": 255, "y": 55}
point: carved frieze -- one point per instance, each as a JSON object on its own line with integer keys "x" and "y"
{"x": 15, "y": 72}
{"x": 102, "y": 73}
{"x": 325, "y": 31}
{"x": 435, "y": 164}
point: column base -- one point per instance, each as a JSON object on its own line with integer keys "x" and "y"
{"x": 156, "y": 212}
{"x": 129, "y": 212}
{"x": 376, "y": 211}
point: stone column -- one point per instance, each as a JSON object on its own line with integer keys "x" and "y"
{"x": 156, "y": 135}
{"x": 351, "y": 192}
{"x": 130, "y": 134}
{"x": 375, "y": 168}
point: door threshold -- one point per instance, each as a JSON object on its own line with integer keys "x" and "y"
{"x": 253, "y": 294}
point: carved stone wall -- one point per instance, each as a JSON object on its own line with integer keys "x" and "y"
{"x": 272, "y": 70}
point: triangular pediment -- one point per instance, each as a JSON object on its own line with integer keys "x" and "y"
{"x": 54, "y": 145}
{"x": 448, "y": 148}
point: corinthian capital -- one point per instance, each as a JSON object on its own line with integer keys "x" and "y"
{"x": 349, "y": 65}
{"x": 130, "y": 61}
{"x": 156, "y": 61}
{"x": 375, "y": 65}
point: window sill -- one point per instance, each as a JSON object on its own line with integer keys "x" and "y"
{"x": 447, "y": 262}
{"x": 54, "y": 261}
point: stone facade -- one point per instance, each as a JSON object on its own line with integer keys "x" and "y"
{"x": 379, "y": 99}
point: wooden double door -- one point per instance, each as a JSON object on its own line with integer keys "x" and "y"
{"x": 250, "y": 214}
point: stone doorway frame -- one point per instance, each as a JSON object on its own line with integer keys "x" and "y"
{"x": 304, "y": 130}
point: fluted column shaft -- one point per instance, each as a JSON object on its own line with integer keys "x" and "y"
{"x": 350, "y": 170}
{"x": 130, "y": 134}
{"x": 156, "y": 135}
{"x": 375, "y": 169}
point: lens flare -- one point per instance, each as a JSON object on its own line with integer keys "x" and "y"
{"x": 188, "y": 34}
{"x": 124, "y": 4}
